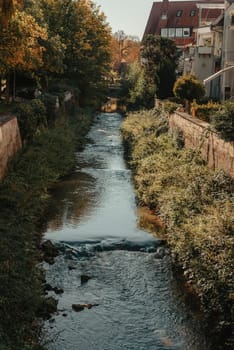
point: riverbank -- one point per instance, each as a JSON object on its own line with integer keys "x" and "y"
{"x": 196, "y": 206}
{"x": 24, "y": 198}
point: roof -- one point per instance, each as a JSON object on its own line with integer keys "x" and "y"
{"x": 164, "y": 14}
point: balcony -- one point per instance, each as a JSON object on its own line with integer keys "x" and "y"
{"x": 205, "y": 50}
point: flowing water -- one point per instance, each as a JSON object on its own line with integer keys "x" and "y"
{"x": 136, "y": 301}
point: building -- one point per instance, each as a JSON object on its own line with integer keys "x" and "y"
{"x": 178, "y": 19}
{"x": 227, "y": 78}
{"x": 206, "y": 54}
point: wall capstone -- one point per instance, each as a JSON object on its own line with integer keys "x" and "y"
{"x": 10, "y": 140}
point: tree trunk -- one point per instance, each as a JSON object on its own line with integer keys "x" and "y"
{"x": 8, "y": 81}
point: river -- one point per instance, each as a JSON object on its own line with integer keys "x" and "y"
{"x": 137, "y": 303}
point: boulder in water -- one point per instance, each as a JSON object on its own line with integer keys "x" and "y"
{"x": 58, "y": 290}
{"x": 80, "y": 307}
{"x": 160, "y": 253}
{"x": 84, "y": 278}
{"x": 49, "y": 251}
{"x": 77, "y": 307}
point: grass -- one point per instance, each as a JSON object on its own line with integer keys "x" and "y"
{"x": 24, "y": 197}
{"x": 197, "y": 208}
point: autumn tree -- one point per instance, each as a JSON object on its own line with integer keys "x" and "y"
{"x": 85, "y": 36}
{"x": 125, "y": 49}
{"x": 20, "y": 49}
{"x": 6, "y": 12}
{"x": 160, "y": 58}
{"x": 62, "y": 39}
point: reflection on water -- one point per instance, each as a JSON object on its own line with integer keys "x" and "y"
{"x": 98, "y": 199}
{"x": 72, "y": 199}
{"x": 94, "y": 221}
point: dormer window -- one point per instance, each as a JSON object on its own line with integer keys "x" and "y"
{"x": 192, "y": 13}
{"x": 179, "y": 13}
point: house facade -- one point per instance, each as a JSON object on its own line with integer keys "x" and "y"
{"x": 207, "y": 51}
{"x": 178, "y": 19}
{"x": 227, "y": 78}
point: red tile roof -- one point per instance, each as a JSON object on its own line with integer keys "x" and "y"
{"x": 170, "y": 8}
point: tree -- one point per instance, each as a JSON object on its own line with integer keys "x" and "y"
{"x": 6, "y": 12}
{"x": 20, "y": 49}
{"x": 83, "y": 31}
{"x": 160, "y": 57}
{"x": 124, "y": 50}
{"x": 136, "y": 92}
{"x": 47, "y": 14}
{"x": 19, "y": 44}
{"x": 65, "y": 39}
{"x": 187, "y": 88}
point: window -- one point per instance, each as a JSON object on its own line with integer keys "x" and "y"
{"x": 179, "y": 33}
{"x": 232, "y": 19}
{"x": 227, "y": 92}
{"x": 164, "y": 32}
{"x": 186, "y": 32}
{"x": 192, "y": 13}
{"x": 171, "y": 32}
{"x": 179, "y": 13}
{"x": 175, "y": 32}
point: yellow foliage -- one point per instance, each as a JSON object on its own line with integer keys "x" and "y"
{"x": 19, "y": 46}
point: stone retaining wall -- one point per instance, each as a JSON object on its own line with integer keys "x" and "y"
{"x": 218, "y": 153}
{"x": 10, "y": 140}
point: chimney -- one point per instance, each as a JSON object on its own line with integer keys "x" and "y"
{"x": 165, "y": 6}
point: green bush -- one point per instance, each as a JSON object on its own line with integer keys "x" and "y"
{"x": 49, "y": 101}
{"x": 170, "y": 106}
{"x": 31, "y": 118}
{"x": 205, "y": 111}
{"x": 223, "y": 121}
{"x": 154, "y": 123}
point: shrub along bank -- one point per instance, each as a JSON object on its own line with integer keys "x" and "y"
{"x": 23, "y": 200}
{"x": 196, "y": 206}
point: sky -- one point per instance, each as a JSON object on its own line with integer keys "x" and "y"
{"x": 130, "y": 16}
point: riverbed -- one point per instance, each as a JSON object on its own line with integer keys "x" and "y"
{"x": 135, "y": 300}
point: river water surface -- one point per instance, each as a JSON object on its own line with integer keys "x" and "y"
{"x": 137, "y": 302}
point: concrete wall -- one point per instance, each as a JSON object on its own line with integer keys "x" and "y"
{"x": 10, "y": 140}
{"x": 228, "y": 53}
{"x": 216, "y": 152}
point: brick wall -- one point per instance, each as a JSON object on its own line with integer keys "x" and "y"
{"x": 197, "y": 134}
{"x": 10, "y": 141}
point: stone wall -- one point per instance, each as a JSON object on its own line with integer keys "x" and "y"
{"x": 10, "y": 140}
{"x": 197, "y": 134}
